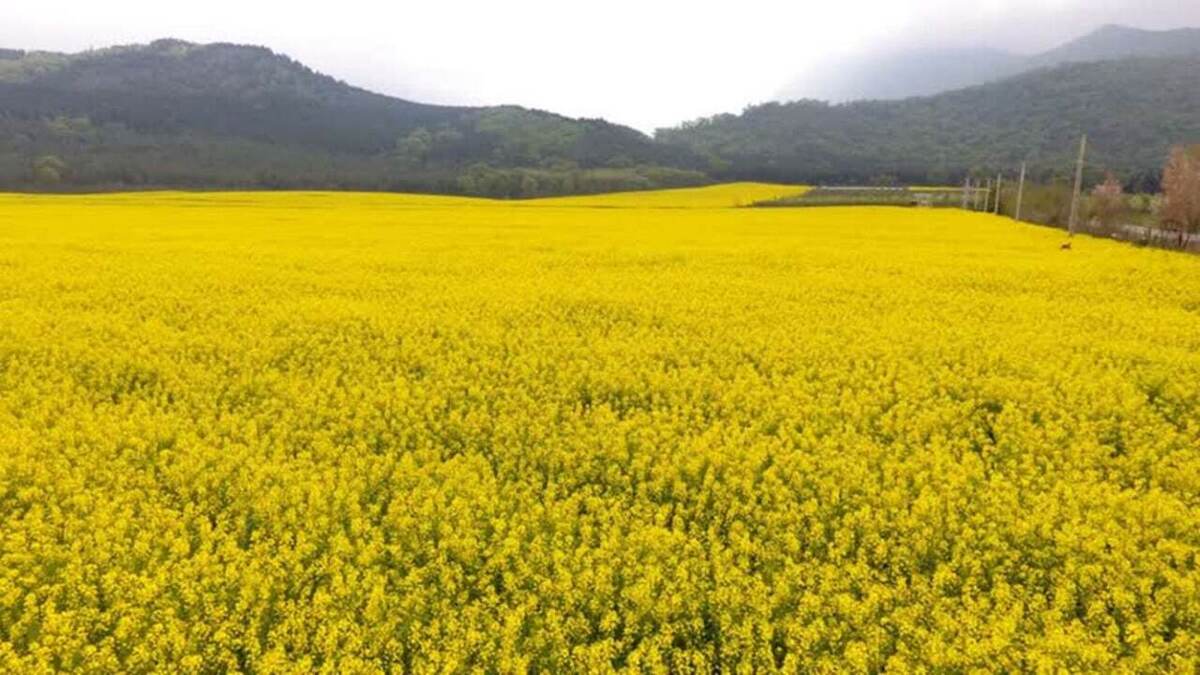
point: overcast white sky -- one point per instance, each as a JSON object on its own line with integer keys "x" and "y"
{"x": 646, "y": 63}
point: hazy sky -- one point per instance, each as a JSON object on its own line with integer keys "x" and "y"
{"x": 646, "y": 63}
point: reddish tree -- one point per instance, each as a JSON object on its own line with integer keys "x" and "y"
{"x": 1181, "y": 183}
{"x": 1108, "y": 201}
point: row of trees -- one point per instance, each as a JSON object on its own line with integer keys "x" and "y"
{"x": 172, "y": 114}
{"x": 528, "y": 158}
{"x": 488, "y": 181}
{"x": 1164, "y": 210}
{"x": 1176, "y": 210}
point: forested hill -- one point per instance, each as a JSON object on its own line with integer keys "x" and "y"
{"x": 1132, "y": 109}
{"x": 1119, "y": 42}
{"x": 178, "y": 114}
{"x": 175, "y": 114}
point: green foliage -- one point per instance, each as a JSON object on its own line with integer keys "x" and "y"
{"x": 1133, "y": 110}
{"x": 18, "y": 66}
{"x": 1048, "y": 204}
{"x": 849, "y": 197}
{"x": 526, "y": 139}
{"x": 49, "y": 170}
{"x": 177, "y": 114}
{"x": 520, "y": 183}
{"x": 414, "y": 148}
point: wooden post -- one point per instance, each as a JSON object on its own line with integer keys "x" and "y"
{"x": 999, "y": 182}
{"x": 966, "y": 191}
{"x": 1020, "y": 192}
{"x": 987, "y": 195}
{"x": 1078, "y": 186}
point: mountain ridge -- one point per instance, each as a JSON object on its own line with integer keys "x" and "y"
{"x": 173, "y": 113}
{"x": 136, "y": 113}
{"x": 1133, "y": 110}
{"x": 1114, "y": 41}
{"x": 896, "y": 75}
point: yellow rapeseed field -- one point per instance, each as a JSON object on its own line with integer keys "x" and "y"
{"x": 730, "y": 194}
{"x": 364, "y": 433}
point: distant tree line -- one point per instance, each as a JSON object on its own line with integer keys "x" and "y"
{"x": 173, "y": 114}
{"x": 181, "y": 115}
{"x": 1164, "y": 210}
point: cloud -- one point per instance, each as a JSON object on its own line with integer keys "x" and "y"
{"x": 642, "y": 63}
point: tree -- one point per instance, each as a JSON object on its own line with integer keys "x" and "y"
{"x": 1181, "y": 184}
{"x": 414, "y": 148}
{"x": 49, "y": 170}
{"x": 1108, "y": 201}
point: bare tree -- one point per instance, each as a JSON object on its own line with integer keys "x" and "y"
{"x": 1181, "y": 183}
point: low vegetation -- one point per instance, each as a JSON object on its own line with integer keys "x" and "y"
{"x": 1170, "y": 218}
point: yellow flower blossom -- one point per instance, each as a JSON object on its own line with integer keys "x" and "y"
{"x": 353, "y": 433}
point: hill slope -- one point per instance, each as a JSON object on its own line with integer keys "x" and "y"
{"x": 924, "y": 72}
{"x": 1118, "y": 42}
{"x": 1134, "y": 109}
{"x": 176, "y": 113}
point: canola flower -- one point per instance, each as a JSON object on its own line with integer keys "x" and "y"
{"x": 717, "y": 196}
{"x": 364, "y": 434}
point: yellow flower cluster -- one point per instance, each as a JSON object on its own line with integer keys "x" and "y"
{"x": 361, "y": 434}
{"x": 728, "y": 195}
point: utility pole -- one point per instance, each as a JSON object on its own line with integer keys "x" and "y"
{"x": 1020, "y": 192}
{"x": 999, "y": 182}
{"x": 1078, "y": 186}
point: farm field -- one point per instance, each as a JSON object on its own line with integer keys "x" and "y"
{"x": 716, "y": 196}
{"x": 366, "y": 433}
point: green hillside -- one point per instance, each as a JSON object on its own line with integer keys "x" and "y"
{"x": 179, "y": 114}
{"x": 175, "y": 114}
{"x": 1133, "y": 110}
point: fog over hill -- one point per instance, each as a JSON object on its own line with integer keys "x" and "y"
{"x": 644, "y": 65}
{"x": 923, "y": 71}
